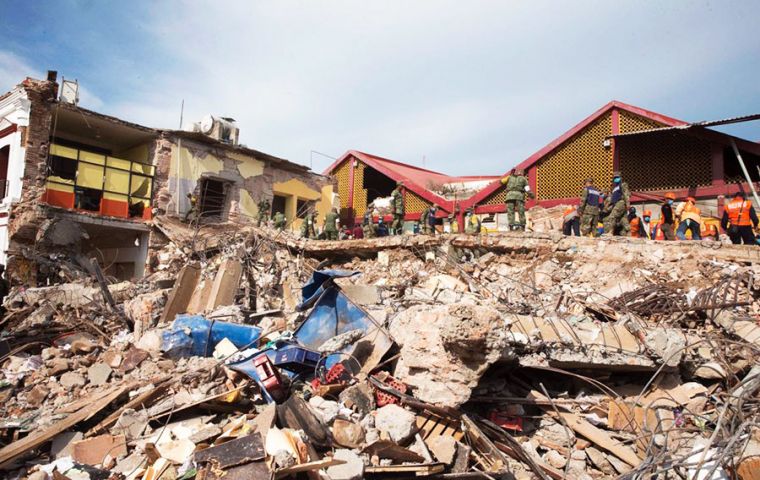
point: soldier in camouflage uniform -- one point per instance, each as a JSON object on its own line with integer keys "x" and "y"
{"x": 368, "y": 226}
{"x": 517, "y": 189}
{"x": 588, "y": 208}
{"x": 263, "y": 214}
{"x": 309, "y": 225}
{"x": 280, "y": 222}
{"x": 331, "y": 225}
{"x": 397, "y": 227}
{"x": 619, "y": 203}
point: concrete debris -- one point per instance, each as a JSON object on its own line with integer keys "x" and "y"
{"x": 530, "y": 355}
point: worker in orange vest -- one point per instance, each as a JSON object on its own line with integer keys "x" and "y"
{"x": 690, "y": 217}
{"x": 740, "y": 213}
{"x": 643, "y": 226}
{"x": 571, "y": 223}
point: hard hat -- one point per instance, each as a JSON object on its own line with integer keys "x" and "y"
{"x": 647, "y": 213}
{"x": 691, "y": 199}
{"x": 670, "y": 195}
{"x": 569, "y": 210}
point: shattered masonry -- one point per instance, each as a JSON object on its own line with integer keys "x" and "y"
{"x": 250, "y": 352}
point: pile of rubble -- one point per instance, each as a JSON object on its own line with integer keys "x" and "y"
{"x": 248, "y": 353}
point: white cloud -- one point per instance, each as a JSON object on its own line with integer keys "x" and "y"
{"x": 474, "y": 86}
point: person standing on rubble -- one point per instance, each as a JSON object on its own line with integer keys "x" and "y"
{"x": 472, "y": 223}
{"x": 740, "y": 213}
{"x": 423, "y": 223}
{"x": 634, "y": 223}
{"x": 397, "y": 227}
{"x": 263, "y": 214}
{"x": 431, "y": 219}
{"x": 332, "y": 224}
{"x": 619, "y": 203}
{"x": 280, "y": 222}
{"x": 309, "y": 225}
{"x": 690, "y": 218}
{"x": 667, "y": 218}
{"x": 193, "y": 212}
{"x": 588, "y": 208}
{"x": 517, "y": 189}
{"x": 646, "y": 229}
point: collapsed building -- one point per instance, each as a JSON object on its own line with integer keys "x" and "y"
{"x": 87, "y": 184}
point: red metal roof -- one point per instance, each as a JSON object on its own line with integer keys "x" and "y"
{"x": 530, "y": 161}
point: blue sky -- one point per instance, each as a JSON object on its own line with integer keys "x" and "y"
{"x": 474, "y": 87}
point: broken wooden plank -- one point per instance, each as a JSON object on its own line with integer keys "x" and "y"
{"x": 142, "y": 400}
{"x": 307, "y": 467}
{"x": 239, "y": 451}
{"x": 182, "y": 293}
{"x": 392, "y": 451}
{"x": 418, "y": 470}
{"x": 225, "y": 284}
{"x": 601, "y": 438}
{"x": 26, "y": 444}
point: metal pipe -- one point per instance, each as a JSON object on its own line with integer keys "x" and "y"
{"x": 746, "y": 173}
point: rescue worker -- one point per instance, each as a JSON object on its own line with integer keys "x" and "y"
{"x": 646, "y": 228}
{"x": 263, "y": 213}
{"x": 690, "y": 218}
{"x": 634, "y": 222}
{"x": 193, "y": 208}
{"x": 331, "y": 224}
{"x": 309, "y": 225}
{"x": 517, "y": 188}
{"x": 740, "y": 213}
{"x": 619, "y": 202}
{"x": 424, "y": 227}
{"x": 280, "y": 221}
{"x": 357, "y": 232}
{"x": 453, "y": 224}
{"x": 397, "y": 227}
{"x": 382, "y": 228}
{"x": 667, "y": 218}
{"x": 472, "y": 223}
{"x": 431, "y": 219}
{"x": 368, "y": 226}
{"x": 588, "y": 208}
{"x": 571, "y": 224}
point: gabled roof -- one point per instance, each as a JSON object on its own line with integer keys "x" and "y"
{"x": 415, "y": 179}
{"x": 614, "y": 104}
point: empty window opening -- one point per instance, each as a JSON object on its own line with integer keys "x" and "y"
{"x": 5, "y": 154}
{"x": 278, "y": 204}
{"x": 303, "y": 207}
{"x": 212, "y": 198}
{"x": 377, "y": 184}
{"x": 87, "y": 199}
{"x": 62, "y": 167}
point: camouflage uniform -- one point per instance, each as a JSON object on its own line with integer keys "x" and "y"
{"x": 516, "y": 199}
{"x": 308, "y": 226}
{"x": 397, "y": 226}
{"x": 331, "y": 227}
{"x": 619, "y": 200}
{"x": 280, "y": 221}
{"x": 263, "y": 214}
{"x": 588, "y": 209}
{"x": 472, "y": 224}
{"x": 424, "y": 227}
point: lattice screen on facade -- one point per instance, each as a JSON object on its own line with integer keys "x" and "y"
{"x": 664, "y": 161}
{"x": 413, "y": 203}
{"x": 630, "y": 122}
{"x": 498, "y": 197}
{"x": 342, "y": 174}
{"x": 561, "y": 173}
{"x": 360, "y": 194}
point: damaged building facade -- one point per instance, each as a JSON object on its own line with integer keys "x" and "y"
{"x": 89, "y": 184}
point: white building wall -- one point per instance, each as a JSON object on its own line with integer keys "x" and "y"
{"x": 14, "y": 110}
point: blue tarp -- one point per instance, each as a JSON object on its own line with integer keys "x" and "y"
{"x": 320, "y": 281}
{"x": 194, "y": 335}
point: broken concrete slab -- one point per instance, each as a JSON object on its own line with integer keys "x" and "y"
{"x": 98, "y": 373}
{"x": 446, "y": 349}
{"x": 62, "y": 445}
{"x": 225, "y": 284}
{"x": 353, "y": 469}
{"x": 182, "y": 293}
{"x": 72, "y": 379}
{"x": 399, "y": 423}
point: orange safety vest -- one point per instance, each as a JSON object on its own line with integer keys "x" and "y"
{"x": 658, "y": 235}
{"x": 635, "y": 227}
{"x": 738, "y": 212}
